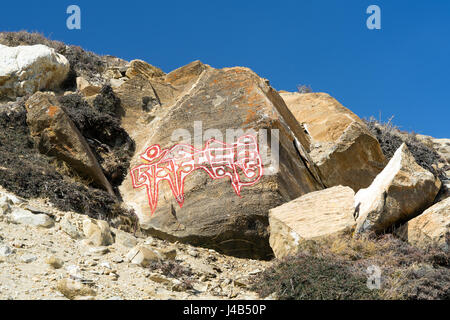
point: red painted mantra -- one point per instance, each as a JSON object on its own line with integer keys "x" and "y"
{"x": 240, "y": 162}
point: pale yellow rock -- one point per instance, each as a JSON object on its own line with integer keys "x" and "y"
{"x": 341, "y": 146}
{"x": 313, "y": 216}
{"x": 139, "y": 67}
{"x": 97, "y": 232}
{"x": 142, "y": 255}
{"x": 86, "y": 88}
{"x": 430, "y": 228}
{"x": 399, "y": 193}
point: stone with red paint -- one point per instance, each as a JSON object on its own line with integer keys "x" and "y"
{"x": 209, "y": 102}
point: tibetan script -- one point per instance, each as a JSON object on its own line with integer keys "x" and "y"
{"x": 240, "y": 162}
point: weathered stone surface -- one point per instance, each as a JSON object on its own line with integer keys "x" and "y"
{"x": 27, "y": 69}
{"x": 341, "y": 146}
{"x": 138, "y": 97}
{"x": 125, "y": 239}
{"x": 86, "y": 88}
{"x": 212, "y": 214}
{"x": 312, "y": 216}
{"x": 21, "y": 216}
{"x": 6, "y": 251}
{"x": 142, "y": 255}
{"x": 432, "y": 227}
{"x": 142, "y": 68}
{"x": 97, "y": 232}
{"x": 57, "y": 135}
{"x": 399, "y": 193}
{"x": 186, "y": 75}
{"x": 69, "y": 228}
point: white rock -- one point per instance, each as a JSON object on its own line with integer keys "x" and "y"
{"x": 21, "y": 216}
{"x": 6, "y": 251}
{"x": 27, "y": 69}
{"x": 28, "y": 258}
{"x": 399, "y": 193}
{"x": 142, "y": 255}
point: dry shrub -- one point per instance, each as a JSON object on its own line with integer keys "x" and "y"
{"x": 335, "y": 268}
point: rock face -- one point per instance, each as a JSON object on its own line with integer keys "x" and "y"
{"x": 212, "y": 214}
{"x": 430, "y": 228}
{"x": 312, "y": 216}
{"x": 57, "y": 135}
{"x": 341, "y": 146}
{"x": 399, "y": 193}
{"x": 27, "y": 69}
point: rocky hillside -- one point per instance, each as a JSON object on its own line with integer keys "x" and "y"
{"x": 121, "y": 181}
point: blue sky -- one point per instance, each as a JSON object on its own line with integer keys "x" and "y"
{"x": 402, "y": 70}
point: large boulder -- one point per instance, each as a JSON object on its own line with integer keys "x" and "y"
{"x": 430, "y": 228}
{"x": 56, "y": 135}
{"x": 343, "y": 149}
{"x": 313, "y": 216}
{"x": 399, "y": 193}
{"x": 27, "y": 69}
{"x": 213, "y": 212}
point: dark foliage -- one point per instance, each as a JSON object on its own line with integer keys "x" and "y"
{"x": 107, "y": 102}
{"x": 335, "y": 268}
{"x": 308, "y": 277}
{"x": 29, "y": 174}
{"x": 110, "y": 143}
{"x": 390, "y": 139}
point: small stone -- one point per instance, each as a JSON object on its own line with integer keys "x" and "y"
{"x": 117, "y": 259}
{"x": 98, "y": 250}
{"x": 6, "y": 251}
{"x": 254, "y": 272}
{"x": 125, "y": 239}
{"x": 97, "y": 232}
{"x": 142, "y": 256}
{"x": 193, "y": 253}
{"x": 71, "y": 230}
{"x": 21, "y": 216}
{"x": 28, "y": 258}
